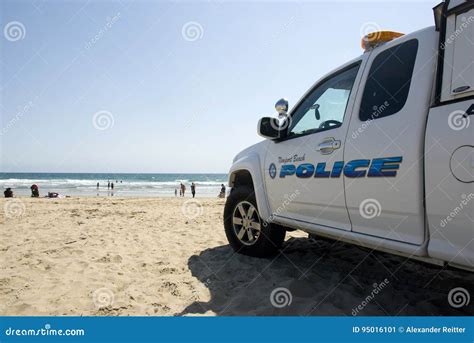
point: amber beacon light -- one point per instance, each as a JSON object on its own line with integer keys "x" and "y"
{"x": 375, "y": 39}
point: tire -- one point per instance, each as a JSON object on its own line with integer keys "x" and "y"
{"x": 245, "y": 230}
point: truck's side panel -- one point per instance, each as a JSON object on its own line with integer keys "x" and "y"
{"x": 392, "y": 206}
{"x": 449, "y": 160}
{"x": 296, "y": 170}
{"x": 449, "y": 146}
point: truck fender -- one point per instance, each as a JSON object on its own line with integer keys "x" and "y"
{"x": 251, "y": 164}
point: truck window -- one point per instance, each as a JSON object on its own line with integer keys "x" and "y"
{"x": 326, "y": 104}
{"x": 388, "y": 83}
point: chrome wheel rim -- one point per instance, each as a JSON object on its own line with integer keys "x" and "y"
{"x": 246, "y": 223}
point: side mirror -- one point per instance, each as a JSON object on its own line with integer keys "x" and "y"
{"x": 281, "y": 107}
{"x": 269, "y": 127}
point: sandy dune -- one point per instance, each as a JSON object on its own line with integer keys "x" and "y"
{"x": 123, "y": 256}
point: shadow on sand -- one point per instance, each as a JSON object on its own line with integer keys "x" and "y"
{"x": 325, "y": 278}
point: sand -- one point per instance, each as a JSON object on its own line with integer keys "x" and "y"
{"x": 166, "y": 256}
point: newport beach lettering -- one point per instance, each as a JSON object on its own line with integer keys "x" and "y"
{"x": 294, "y": 158}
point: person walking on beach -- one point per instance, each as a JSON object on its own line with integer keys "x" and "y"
{"x": 112, "y": 186}
{"x": 97, "y": 186}
{"x": 183, "y": 189}
{"x": 193, "y": 189}
{"x": 108, "y": 184}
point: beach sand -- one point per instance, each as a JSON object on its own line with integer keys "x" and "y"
{"x": 166, "y": 256}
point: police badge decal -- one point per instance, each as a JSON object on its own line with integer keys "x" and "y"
{"x": 272, "y": 170}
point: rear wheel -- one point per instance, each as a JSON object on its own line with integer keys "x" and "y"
{"x": 246, "y": 232}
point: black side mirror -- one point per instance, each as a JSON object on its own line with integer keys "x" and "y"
{"x": 269, "y": 127}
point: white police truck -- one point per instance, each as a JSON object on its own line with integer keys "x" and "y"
{"x": 379, "y": 152}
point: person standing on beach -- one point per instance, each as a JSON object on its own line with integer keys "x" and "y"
{"x": 183, "y": 189}
{"x": 97, "y": 186}
{"x": 112, "y": 186}
{"x": 175, "y": 192}
{"x": 108, "y": 184}
{"x": 193, "y": 189}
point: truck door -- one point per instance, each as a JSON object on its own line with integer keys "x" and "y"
{"x": 303, "y": 172}
{"x": 449, "y": 147}
{"x": 386, "y": 138}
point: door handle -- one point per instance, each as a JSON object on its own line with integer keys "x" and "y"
{"x": 328, "y": 145}
{"x": 461, "y": 89}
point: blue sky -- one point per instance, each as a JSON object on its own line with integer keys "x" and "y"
{"x": 183, "y": 82}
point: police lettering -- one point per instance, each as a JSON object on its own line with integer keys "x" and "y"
{"x": 378, "y": 167}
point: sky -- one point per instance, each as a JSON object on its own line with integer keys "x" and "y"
{"x": 166, "y": 86}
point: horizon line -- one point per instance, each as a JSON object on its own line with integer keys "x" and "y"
{"x": 114, "y": 173}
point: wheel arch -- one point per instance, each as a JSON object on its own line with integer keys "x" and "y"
{"x": 247, "y": 172}
{"x": 241, "y": 177}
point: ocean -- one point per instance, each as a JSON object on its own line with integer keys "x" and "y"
{"x": 138, "y": 185}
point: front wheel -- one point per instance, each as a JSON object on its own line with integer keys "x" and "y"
{"x": 246, "y": 232}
